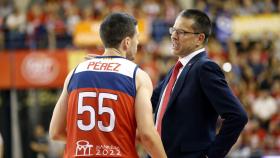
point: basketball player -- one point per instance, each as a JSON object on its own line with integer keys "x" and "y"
{"x": 105, "y": 99}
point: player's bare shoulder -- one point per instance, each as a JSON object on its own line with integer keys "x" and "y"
{"x": 143, "y": 79}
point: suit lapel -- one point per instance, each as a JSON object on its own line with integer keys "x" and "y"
{"x": 179, "y": 84}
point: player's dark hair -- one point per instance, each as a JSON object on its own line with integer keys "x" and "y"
{"x": 115, "y": 28}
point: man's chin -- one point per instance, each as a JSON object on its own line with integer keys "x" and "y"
{"x": 175, "y": 52}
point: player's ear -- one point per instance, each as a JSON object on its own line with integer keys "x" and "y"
{"x": 127, "y": 43}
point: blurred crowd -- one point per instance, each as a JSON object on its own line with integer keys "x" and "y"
{"x": 254, "y": 63}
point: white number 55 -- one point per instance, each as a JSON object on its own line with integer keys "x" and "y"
{"x": 101, "y": 110}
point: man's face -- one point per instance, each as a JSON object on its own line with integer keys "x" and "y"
{"x": 183, "y": 37}
{"x": 132, "y": 50}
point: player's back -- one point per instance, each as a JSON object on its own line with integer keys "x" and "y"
{"x": 100, "y": 116}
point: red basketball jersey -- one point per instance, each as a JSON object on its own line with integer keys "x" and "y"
{"x": 101, "y": 117}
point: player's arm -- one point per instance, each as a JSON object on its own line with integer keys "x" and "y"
{"x": 57, "y": 130}
{"x": 147, "y": 134}
{"x": 1, "y": 147}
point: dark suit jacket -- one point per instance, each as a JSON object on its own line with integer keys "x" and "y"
{"x": 200, "y": 95}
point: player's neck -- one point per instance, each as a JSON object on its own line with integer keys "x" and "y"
{"x": 113, "y": 52}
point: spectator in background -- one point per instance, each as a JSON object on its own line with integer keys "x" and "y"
{"x": 171, "y": 9}
{"x": 5, "y": 10}
{"x": 151, "y": 8}
{"x": 57, "y": 34}
{"x": 254, "y": 137}
{"x": 266, "y": 6}
{"x": 276, "y": 45}
{"x": 163, "y": 20}
{"x": 257, "y": 60}
{"x": 36, "y": 29}
{"x": 40, "y": 144}
{"x": 275, "y": 91}
{"x": 159, "y": 27}
{"x": 264, "y": 106}
{"x": 1, "y": 146}
{"x": 223, "y": 22}
{"x": 72, "y": 18}
{"x": 244, "y": 44}
{"x": 2, "y": 34}
{"x": 247, "y": 7}
{"x": 16, "y": 26}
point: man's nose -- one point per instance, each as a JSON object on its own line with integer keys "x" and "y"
{"x": 174, "y": 35}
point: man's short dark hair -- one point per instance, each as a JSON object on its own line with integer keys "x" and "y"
{"x": 115, "y": 28}
{"x": 202, "y": 22}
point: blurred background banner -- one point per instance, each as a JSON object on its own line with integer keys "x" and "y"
{"x": 87, "y": 34}
{"x": 5, "y": 71}
{"x": 255, "y": 25}
{"x": 41, "y": 69}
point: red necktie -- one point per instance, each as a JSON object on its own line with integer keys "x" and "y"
{"x": 167, "y": 94}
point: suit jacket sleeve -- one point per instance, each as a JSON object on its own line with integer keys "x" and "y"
{"x": 215, "y": 87}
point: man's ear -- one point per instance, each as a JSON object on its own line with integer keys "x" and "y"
{"x": 201, "y": 38}
{"x": 126, "y": 43}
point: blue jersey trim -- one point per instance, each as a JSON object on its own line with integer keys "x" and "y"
{"x": 68, "y": 89}
{"x": 134, "y": 78}
{"x": 109, "y": 57}
{"x": 104, "y": 80}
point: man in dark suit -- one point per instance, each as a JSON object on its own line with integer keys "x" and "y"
{"x": 194, "y": 93}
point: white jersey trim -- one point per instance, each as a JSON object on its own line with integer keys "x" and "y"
{"x": 117, "y": 65}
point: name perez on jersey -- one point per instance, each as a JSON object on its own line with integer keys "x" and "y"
{"x": 104, "y": 66}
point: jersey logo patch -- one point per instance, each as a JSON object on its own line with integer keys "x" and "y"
{"x": 83, "y": 148}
